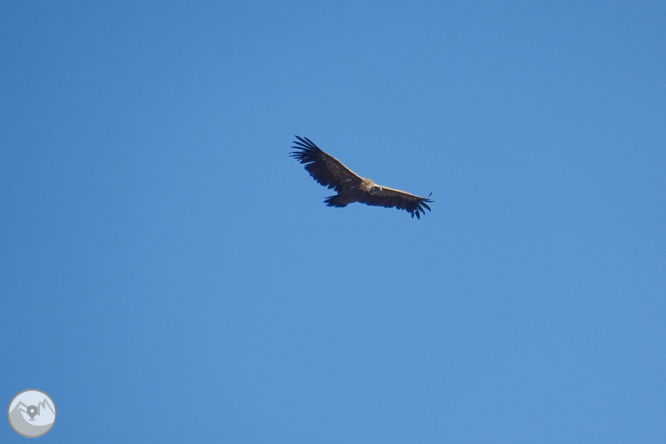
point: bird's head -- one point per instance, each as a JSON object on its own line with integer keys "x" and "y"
{"x": 375, "y": 189}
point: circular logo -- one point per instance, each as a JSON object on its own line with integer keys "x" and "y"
{"x": 32, "y": 413}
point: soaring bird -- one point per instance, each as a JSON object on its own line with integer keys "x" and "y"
{"x": 331, "y": 173}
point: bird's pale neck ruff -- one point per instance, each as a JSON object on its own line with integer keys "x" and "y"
{"x": 369, "y": 186}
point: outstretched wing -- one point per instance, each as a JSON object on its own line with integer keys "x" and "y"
{"x": 390, "y": 198}
{"x": 324, "y": 168}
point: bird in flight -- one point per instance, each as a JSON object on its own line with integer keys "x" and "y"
{"x": 331, "y": 173}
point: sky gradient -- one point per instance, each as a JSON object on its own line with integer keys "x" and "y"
{"x": 169, "y": 274}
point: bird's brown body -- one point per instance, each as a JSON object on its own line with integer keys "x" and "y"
{"x": 330, "y": 172}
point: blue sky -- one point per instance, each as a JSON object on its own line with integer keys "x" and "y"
{"x": 169, "y": 274}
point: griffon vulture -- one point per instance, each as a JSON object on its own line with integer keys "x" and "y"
{"x": 331, "y": 173}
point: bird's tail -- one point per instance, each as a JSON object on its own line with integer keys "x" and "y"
{"x": 335, "y": 201}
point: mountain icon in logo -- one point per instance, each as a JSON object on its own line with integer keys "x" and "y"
{"x": 32, "y": 413}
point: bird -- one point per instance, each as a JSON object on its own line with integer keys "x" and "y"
{"x": 331, "y": 173}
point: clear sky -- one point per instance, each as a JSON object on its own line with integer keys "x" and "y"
{"x": 169, "y": 274}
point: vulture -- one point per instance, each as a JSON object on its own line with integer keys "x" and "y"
{"x": 331, "y": 173}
